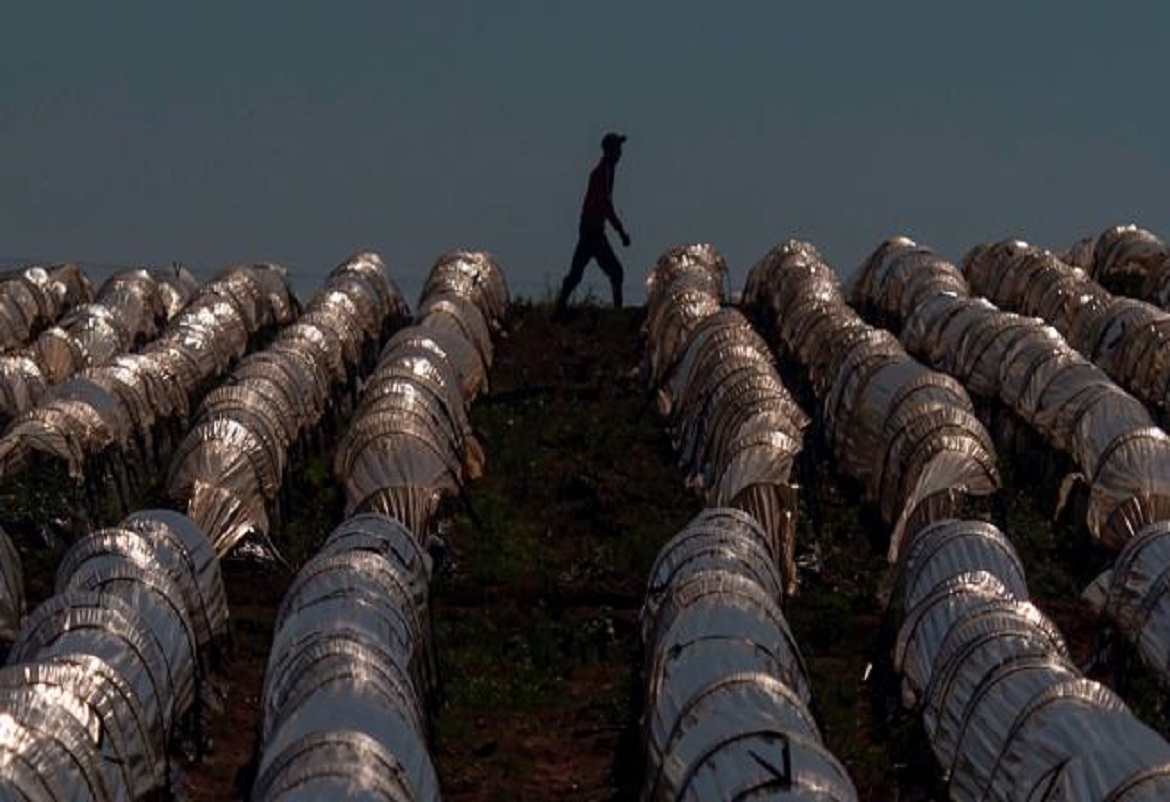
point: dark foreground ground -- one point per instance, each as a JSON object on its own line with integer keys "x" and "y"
{"x": 535, "y": 606}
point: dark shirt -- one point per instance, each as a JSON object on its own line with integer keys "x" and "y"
{"x": 598, "y": 204}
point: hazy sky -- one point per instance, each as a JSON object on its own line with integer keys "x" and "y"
{"x": 141, "y": 133}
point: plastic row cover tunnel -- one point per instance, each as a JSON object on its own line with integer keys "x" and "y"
{"x": 105, "y": 670}
{"x": 736, "y": 427}
{"x": 1127, "y": 338}
{"x": 1135, "y": 595}
{"x": 410, "y": 443}
{"x": 906, "y": 433}
{"x": 1007, "y": 713}
{"x": 1024, "y": 364}
{"x": 131, "y": 308}
{"x": 684, "y": 288}
{"x": 473, "y": 276}
{"x": 1126, "y": 259}
{"x": 727, "y": 695}
{"x": 342, "y": 716}
{"x": 229, "y": 467}
{"x": 351, "y": 661}
{"x": 126, "y": 404}
{"x": 1027, "y": 366}
{"x": 36, "y": 297}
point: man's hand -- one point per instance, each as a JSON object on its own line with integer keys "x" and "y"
{"x": 625, "y": 240}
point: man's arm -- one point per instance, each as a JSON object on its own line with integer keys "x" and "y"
{"x": 611, "y": 215}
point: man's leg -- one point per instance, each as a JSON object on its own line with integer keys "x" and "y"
{"x": 607, "y": 260}
{"x": 581, "y": 255}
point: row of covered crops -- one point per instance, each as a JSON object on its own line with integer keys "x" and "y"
{"x": 1128, "y": 338}
{"x": 352, "y": 667}
{"x": 140, "y": 607}
{"x": 727, "y": 694}
{"x": 36, "y": 297}
{"x": 1025, "y": 366}
{"x": 105, "y": 674}
{"x": 1007, "y": 713}
{"x": 1127, "y": 259}
{"x": 112, "y": 425}
{"x": 129, "y": 309}
{"x": 127, "y": 412}
{"x": 228, "y": 469}
{"x": 906, "y": 434}
{"x": 1134, "y": 593}
{"x": 1121, "y": 457}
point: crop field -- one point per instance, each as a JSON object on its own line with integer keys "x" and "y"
{"x": 263, "y": 546}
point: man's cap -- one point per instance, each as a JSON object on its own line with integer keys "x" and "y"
{"x": 612, "y": 140}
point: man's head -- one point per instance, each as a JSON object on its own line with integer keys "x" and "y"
{"x": 611, "y": 145}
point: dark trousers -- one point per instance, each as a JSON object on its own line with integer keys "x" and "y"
{"x": 592, "y": 244}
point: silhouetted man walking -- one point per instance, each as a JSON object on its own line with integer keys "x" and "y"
{"x": 595, "y": 211}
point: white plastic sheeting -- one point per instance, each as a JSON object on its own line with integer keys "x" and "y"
{"x": 184, "y": 552}
{"x": 1135, "y": 595}
{"x": 123, "y": 405}
{"x": 410, "y": 443}
{"x": 1127, "y": 257}
{"x": 1129, "y": 339}
{"x": 352, "y": 662}
{"x": 37, "y": 296}
{"x": 129, "y": 310}
{"x": 906, "y": 433}
{"x": 227, "y": 470}
{"x": 342, "y": 715}
{"x": 727, "y": 693}
{"x": 475, "y": 276}
{"x": 735, "y": 426}
{"x": 899, "y": 277}
{"x": 1026, "y": 365}
{"x": 1007, "y": 713}
{"x": 101, "y": 672}
{"x": 683, "y": 289}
